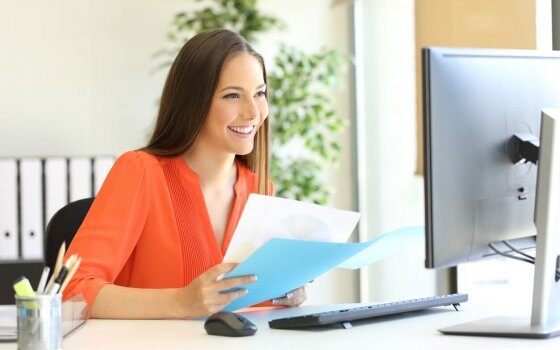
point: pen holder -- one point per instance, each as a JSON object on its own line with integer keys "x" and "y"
{"x": 39, "y": 322}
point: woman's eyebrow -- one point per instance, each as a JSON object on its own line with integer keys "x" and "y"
{"x": 239, "y": 88}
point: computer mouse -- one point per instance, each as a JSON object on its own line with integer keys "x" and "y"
{"x": 229, "y": 324}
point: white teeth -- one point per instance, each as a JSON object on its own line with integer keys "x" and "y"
{"x": 242, "y": 129}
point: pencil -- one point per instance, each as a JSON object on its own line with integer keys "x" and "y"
{"x": 70, "y": 261}
{"x": 57, "y": 266}
{"x": 73, "y": 270}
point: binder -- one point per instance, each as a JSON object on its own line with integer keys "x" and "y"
{"x": 80, "y": 178}
{"x": 101, "y": 167}
{"x": 56, "y": 186}
{"x": 31, "y": 191}
{"x": 9, "y": 235}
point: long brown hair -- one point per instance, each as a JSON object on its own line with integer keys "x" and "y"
{"x": 187, "y": 95}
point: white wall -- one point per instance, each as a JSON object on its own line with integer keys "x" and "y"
{"x": 76, "y": 74}
{"x": 393, "y": 195}
{"x": 76, "y": 77}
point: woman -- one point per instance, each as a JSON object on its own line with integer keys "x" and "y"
{"x": 153, "y": 241}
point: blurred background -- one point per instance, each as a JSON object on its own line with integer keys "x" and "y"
{"x": 82, "y": 78}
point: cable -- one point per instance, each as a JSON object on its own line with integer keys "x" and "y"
{"x": 518, "y": 251}
{"x": 530, "y": 261}
{"x": 509, "y": 255}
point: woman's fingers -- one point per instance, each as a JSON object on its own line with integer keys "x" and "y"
{"x": 218, "y": 298}
{"x": 220, "y": 269}
{"x": 288, "y": 301}
{"x": 229, "y": 283}
{"x": 224, "y": 299}
{"x": 203, "y": 294}
{"x": 293, "y": 298}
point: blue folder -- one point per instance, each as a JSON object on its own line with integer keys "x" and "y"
{"x": 282, "y": 265}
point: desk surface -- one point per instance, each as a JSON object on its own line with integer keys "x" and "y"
{"x": 411, "y": 331}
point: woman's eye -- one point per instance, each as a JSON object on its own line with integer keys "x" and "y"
{"x": 231, "y": 96}
{"x": 261, "y": 94}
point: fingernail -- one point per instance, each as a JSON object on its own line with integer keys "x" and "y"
{"x": 289, "y": 295}
{"x": 245, "y": 291}
{"x": 254, "y": 278}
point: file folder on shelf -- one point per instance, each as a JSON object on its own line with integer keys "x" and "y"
{"x": 56, "y": 186}
{"x": 31, "y": 181}
{"x": 101, "y": 167}
{"x": 80, "y": 179}
{"x": 9, "y": 235}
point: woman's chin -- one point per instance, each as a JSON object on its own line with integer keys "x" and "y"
{"x": 241, "y": 148}
{"x": 243, "y": 151}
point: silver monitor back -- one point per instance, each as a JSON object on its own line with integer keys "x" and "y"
{"x": 475, "y": 100}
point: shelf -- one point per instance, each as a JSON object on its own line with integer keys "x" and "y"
{"x": 22, "y": 261}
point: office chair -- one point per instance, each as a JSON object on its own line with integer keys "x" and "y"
{"x": 63, "y": 226}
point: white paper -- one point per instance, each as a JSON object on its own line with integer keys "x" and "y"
{"x": 8, "y": 323}
{"x": 266, "y": 217}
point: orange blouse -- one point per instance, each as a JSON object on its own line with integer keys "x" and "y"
{"x": 149, "y": 227}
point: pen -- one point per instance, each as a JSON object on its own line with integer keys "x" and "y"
{"x": 43, "y": 280}
{"x": 57, "y": 266}
{"x": 70, "y": 274}
{"x": 62, "y": 275}
{"x": 58, "y": 281}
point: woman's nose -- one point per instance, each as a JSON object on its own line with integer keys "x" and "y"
{"x": 250, "y": 110}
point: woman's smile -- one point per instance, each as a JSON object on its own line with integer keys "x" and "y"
{"x": 242, "y": 131}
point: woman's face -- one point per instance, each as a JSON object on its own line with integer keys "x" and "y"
{"x": 238, "y": 107}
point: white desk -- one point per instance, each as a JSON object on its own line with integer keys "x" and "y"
{"x": 413, "y": 331}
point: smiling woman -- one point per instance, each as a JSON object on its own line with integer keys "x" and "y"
{"x": 238, "y": 109}
{"x": 153, "y": 242}
{"x": 211, "y": 69}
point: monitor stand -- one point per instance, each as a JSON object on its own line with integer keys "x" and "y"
{"x": 545, "y": 316}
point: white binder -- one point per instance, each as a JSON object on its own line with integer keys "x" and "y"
{"x": 101, "y": 167}
{"x": 9, "y": 235}
{"x": 80, "y": 178}
{"x": 31, "y": 176}
{"x": 56, "y": 186}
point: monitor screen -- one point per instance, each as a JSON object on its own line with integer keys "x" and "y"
{"x": 475, "y": 100}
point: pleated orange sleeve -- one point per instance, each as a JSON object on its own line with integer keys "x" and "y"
{"x": 112, "y": 228}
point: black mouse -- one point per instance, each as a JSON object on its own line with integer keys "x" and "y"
{"x": 229, "y": 324}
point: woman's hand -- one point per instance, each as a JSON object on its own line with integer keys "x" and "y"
{"x": 294, "y": 298}
{"x": 202, "y": 296}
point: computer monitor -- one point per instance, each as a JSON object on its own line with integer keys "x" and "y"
{"x": 482, "y": 122}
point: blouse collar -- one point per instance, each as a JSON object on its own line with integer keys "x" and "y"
{"x": 192, "y": 176}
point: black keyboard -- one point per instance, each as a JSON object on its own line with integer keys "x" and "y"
{"x": 344, "y": 316}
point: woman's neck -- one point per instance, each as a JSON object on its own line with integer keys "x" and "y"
{"x": 214, "y": 169}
